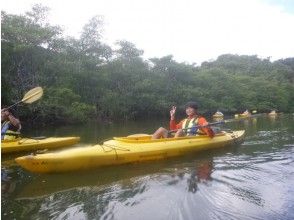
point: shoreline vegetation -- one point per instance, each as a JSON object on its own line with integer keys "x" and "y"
{"x": 85, "y": 79}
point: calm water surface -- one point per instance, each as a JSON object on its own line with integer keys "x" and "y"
{"x": 254, "y": 180}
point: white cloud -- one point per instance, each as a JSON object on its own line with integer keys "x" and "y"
{"x": 191, "y": 30}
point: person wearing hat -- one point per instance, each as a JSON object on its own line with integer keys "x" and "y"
{"x": 10, "y": 125}
{"x": 187, "y": 126}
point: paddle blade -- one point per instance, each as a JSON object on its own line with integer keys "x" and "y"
{"x": 33, "y": 95}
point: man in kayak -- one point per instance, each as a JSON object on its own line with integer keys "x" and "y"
{"x": 219, "y": 113}
{"x": 10, "y": 125}
{"x": 187, "y": 126}
{"x": 246, "y": 112}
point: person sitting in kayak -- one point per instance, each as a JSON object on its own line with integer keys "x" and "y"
{"x": 246, "y": 112}
{"x": 219, "y": 113}
{"x": 10, "y": 125}
{"x": 187, "y": 126}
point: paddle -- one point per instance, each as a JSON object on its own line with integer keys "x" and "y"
{"x": 214, "y": 123}
{"x": 202, "y": 126}
{"x": 30, "y": 97}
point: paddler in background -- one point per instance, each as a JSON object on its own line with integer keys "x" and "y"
{"x": 218, "y": 113}
{"x": 192, "y": 121}
{"x": 246, "y": 112}
{"x": 10, "y": 125}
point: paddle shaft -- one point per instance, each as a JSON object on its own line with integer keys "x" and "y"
{"x": 215, "y": 123}
{"x": 199, "y": 126}
{"x": 12, "y": 105}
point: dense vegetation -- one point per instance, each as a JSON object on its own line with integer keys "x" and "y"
{"x": 86, "y": 79}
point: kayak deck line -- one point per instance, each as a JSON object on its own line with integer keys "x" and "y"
{"x": 37, "y": 139}
{"x": 112, "y": 147}
{"x": 23, "y": 140}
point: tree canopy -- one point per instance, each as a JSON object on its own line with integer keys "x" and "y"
{"x": 85, "y": 78}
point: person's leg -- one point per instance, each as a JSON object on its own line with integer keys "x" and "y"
{"x": 180, "y": 133}
{"x": 159, "y": 133}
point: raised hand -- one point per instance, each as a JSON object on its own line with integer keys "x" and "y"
{"x": 173, "y": 112}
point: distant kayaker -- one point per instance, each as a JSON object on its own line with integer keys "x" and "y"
{"x": 219, "y": 113}
{"x": 192, "y": 121}
{"x": 246, "y": 112}
{"x": 10, "y": 125}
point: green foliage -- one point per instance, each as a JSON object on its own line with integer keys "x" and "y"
{"x": 80, "y": 112}
{"x": 86, "y": 79}
{"x": 62, "y": 105}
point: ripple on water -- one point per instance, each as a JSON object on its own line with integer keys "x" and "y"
{"x": 264, "y": 182}
{"x": 256, "y": 142}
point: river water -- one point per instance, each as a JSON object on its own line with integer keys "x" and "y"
{"x": 254, "y": 180}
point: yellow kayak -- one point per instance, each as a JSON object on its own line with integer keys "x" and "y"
{"x": 242, "y": 115}
{"x": 30, "y": 144}
{"x": 217, "y": 116}
{"x": 122, "y": 150}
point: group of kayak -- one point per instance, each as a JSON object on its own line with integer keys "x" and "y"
{"x": 191, "y": 134}
{"x": 245, "y": 114}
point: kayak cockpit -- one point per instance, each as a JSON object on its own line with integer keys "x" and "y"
{"x": 144, "y": 138}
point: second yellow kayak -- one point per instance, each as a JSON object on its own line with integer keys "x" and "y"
{"x": 30, "y": 144}
{"x": 124, "y": 150}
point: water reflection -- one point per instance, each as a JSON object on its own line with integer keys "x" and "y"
{"x": 7, "y": 183}
{"x": 42, "y": 185}
{"x": 272, "y": 118}
{"x": 198, "y": 172}
{"x": 202, "y": 174}
{"x": 93, "y": 193}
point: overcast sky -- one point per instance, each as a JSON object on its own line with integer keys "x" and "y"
{"x": 190, "y": 30}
